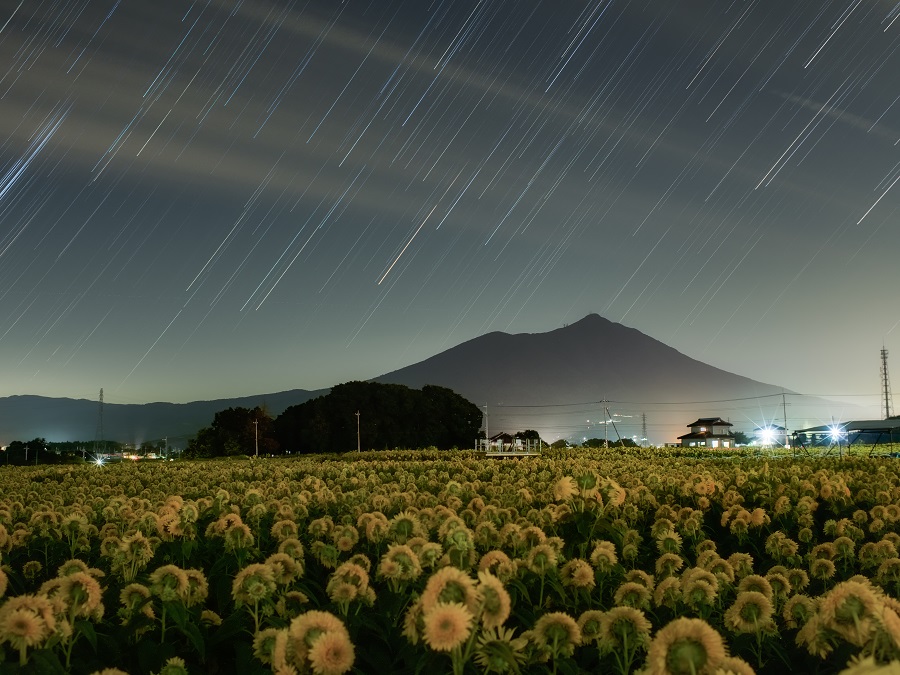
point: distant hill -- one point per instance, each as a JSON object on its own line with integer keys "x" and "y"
{"x": 554, "y": 382}
{"x": 527, "y": 379}
{"x": 65, "y": 419}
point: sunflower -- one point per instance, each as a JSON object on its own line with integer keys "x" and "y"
{"x": 306, "y": 628}
{"x": 633, "y": 594}
{"x": 797, "y": 578}
{"x": 603, "y": 557}
{"x": 492, "y": 560}
{"x": 852, "y": 609}
{"x": 578, "y": 574}
{"x": 821, "y": 568}
{"x": 449, "y": 585}
{"x": 497, "y": 651}
{"x": 624, "y": 628}
{"x": 751, "y": 612}
{"x": 797, "y": 610}
{"x": 685, "y": 646}
{"x": 541, "y": 559}
{"x": 755, "y": 582}
{"x": 292, "y": 547}
{"x": 557, "y": 632}
{"x": 668, "y": 564}
{"x": 564, "y": 489}
{"x": 331, "y": 654}
{"x": 741, "y": 563}
{"x": 446, "y": 625}
{"x": 285, "y": 568}
{"x": 667, "y": 593}
{"x": 26, "y": 621}
{"x": 254, "y": 583}
{"x": 590, "y": 623}
{"x": 83, "y": 595}
{"x": 169, "y": 583}
{"x": 282, "y": 530}
{"x": 494, "y": 600}
{"x": 781, "y": 587}
{"x": 412, "y": 622}
{"x": 734, "y": 665}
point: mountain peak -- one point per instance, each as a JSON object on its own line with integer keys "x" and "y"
{"x": 556, "y": 380}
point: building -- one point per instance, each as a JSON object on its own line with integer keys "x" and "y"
{"x": 507, "y": 445}
{"x": 771, "y": 435}
{"x": 708, "y": 432}
{"x": 847, "y": 433}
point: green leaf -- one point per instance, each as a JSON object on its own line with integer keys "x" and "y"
{"x": 178, "y": 613}
{"x": 86, "y": 628}
{"x": 193, "y": 634}
{"x": 45, "y": 662}
{"x": 187, "y": 548}
{"x": 232, "y": 625}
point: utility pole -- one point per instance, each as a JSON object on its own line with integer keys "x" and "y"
{"x": 644, "y": 439}
{"x": 357, "y": 432}
{"x": 487, "y": 435}
{"x": 166, "y": 447}
{"x": 787, "y": 443}
{"x": 256, "y": 436}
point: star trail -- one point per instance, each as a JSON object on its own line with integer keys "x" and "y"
{"x": 226, "y": 197}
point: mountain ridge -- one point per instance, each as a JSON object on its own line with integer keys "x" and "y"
{"x": 555, "y": 382}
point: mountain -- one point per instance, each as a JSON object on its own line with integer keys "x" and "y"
{"x": 556, "y": 382}
{"x": 560, "y": 383}
{"x": 65, "y": 419}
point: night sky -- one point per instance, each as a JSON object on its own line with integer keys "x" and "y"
{"x": 211, "y": 199}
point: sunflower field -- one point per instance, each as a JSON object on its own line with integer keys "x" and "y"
{"x": 581, "y": 561}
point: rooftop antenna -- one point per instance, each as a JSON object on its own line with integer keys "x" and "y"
{"x": 886, "y": 385}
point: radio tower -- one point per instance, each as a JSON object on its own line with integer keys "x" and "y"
{"x": 886, "y": 385}
{"x": 99, "y": 443}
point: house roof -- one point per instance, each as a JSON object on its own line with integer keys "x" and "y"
{"x": 709, "y": 422}
{"x": 706, "y": 434}
{"x": 856, "y": 426}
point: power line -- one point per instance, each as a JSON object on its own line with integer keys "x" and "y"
{"x": 719, "y": 400}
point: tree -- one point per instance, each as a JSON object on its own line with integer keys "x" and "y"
{"x": 740, "y": 438}
{"x": 530, "y": 435}
{"x": 391, "y": 416}
{"x": 235, "y": 431}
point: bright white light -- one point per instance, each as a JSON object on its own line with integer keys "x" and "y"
{"x": 98, "y": 462}
{"x": 835, "y": 433}
{"x": 767, "y": 436}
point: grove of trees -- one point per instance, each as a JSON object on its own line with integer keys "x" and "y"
{"x": 389, "y": 416}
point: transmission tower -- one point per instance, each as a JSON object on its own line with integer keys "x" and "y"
{"x": 886, "y": 385}
{"x": 99, "y": 443}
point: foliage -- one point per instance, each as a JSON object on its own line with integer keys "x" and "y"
{"x": 235, "y": 431}
{"x": 390, "y": 416}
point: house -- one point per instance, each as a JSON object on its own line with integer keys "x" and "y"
{"x": 709, "y": 432}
